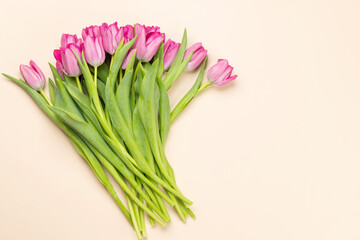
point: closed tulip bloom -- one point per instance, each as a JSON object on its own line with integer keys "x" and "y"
{"x": 59, "y": 66}
{"x": 69, "y": 38}
{"x": 33, "y": 76}
{"x": 94, "y": 51}
{"x": 220, "y": 73}
{"x": 92, "y": 31}
{"x": 126, "y": 32}
{"x": 66, "y": 61}
{"x": 170, "y": 50}
{"x": 199, "y": 54}
{"x": 148, "y": 42}
{"x": 69, "y": 62}
{"x": 108, "y": 33}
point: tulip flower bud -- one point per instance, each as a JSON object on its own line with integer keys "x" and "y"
{"x": 148, "y": 42}
{"x": 220, "y": 73}
{"x": 94, "y": 51}
{"x": 33, "y": 76}
{"x": 59, "y": 66}
{"x": 170, "y": 50}
{"x": 69, "y": 62}
{"x": 199, "y": 54}
{"x": 108, "y": 34}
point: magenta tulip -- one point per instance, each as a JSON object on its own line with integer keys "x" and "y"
{"x": 148, "y": 42}
{"x": 94, "y": 51}
{"x": 220, "y": 73}
{"x": 199, "y": 54}
{"x": 170, "y": 50}
{"x": 126, "y": 32}
{"x": 33, "y": 76}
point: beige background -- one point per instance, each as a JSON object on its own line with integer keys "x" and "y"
{"x": 272, "y": 156}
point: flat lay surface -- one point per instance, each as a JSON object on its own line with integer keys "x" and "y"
{"x": 273, "y": 155}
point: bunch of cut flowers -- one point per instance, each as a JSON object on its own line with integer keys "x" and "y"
{"x": 109, "y": 95}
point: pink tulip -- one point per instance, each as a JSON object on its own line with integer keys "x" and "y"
{"x": 94, "y": 51}
{"x": 68, "y": 38}
{"x": 33, "y": 76}
{"x": 148, "y": 42}
{"x": 220, "y": 73}
{"x": 199, "y": 54}
{"x": 127, "y": 59}
{"x": 126, "y": 32}
{"x": 108, "y": 33}
{"x": 59, "y": 66}
{"x": 170, "y": 50}
{"x": 66, "y": 60}
{"x": 92, "y": 31}
{"x": 150, "y": 29}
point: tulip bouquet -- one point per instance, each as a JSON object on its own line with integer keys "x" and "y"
{"x": 109, "y": 96}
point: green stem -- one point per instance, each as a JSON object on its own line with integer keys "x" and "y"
{"x": 79, "y": 84}
{"x": 203, "y": 87}
{"x": 119, "y": 179}
{"x": 95, "y": 77}
{"x": 133, "y": 217}
{"x": 111, "y": 61}
{"x": 45, "y": 97}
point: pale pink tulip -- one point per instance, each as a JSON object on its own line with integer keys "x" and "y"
{"x": 92, "y": 31}
{"x": 108, "y": 33}
{"x": 199, "y": 54}
{"x": 220, "y": 73}
{"x": 94, "y": 51}
{"x": 66, "y": 60}
{"x": 170, "y": 50}
{"x": 33, "y": 76}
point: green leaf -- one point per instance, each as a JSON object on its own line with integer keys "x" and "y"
{"x": 123, "y": 97}
{"x": 131, "y": 63}
{"x": 76, "y": 140}
{"x": 189, "y": 95}
{"x": 55, "y": 72}
{"x": 177, "y": 62}
{"x": 118, "y": 60}
{"x": 160, "y": 55}
{"x": 101, "y": 89}
{"x": 69, "y": 102}
{"x": 164, "y": 111}
{"x": 52, "y": 90}
{"x": 94, "y": 138}
{"x": 102, "y": 72}
{"x": 141, "y": 138}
